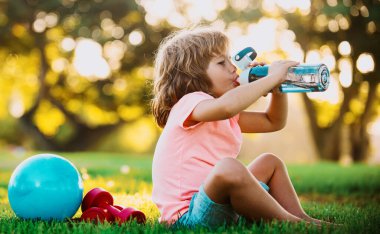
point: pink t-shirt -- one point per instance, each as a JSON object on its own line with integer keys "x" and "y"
{"x": 184, "y": 156}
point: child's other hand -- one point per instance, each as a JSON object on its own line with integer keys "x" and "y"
{"x": 280, "y": 68}
{"x": 275, "y": 90}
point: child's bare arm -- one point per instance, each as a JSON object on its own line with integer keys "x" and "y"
{"x": 232, "y": 102}
{"x": 239, "y": 98}
{"x": 273, "y": 119}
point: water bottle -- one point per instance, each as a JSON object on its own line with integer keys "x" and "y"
{"x": 300, "y": 79}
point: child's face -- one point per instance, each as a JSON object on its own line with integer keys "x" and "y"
{"x": 222, "y": 74}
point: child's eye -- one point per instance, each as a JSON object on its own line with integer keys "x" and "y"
{"x": 221, "y": 62}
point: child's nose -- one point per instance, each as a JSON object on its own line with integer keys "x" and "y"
{"x": 232, "y": 67}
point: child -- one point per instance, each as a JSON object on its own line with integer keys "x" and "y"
{"x": 198, "y": 101}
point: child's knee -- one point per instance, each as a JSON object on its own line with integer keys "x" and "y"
{"x": 230, "y": 171}
{"x": 229, "y": 164}
{"x": 272, "y": 159}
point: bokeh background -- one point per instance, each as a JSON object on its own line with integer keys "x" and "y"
{"x": 76, "y": 75}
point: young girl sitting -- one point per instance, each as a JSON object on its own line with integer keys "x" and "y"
{"x": 200, "y": 105}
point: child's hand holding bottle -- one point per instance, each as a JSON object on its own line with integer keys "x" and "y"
{"x": 278, "y": 70}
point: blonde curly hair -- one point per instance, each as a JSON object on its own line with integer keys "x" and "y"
{"x": 180, "y": 67}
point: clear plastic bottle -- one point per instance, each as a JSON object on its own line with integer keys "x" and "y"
{"x": 300, "y": 79}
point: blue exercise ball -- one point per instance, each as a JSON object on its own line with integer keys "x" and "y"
{"x": 45, "y": 186}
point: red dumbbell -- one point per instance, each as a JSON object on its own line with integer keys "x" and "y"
{"x": 96, "y": 214}
{"x": 93, "y": 213}
{"x": 125, "y": 214}
{"x": 100, "y": 198}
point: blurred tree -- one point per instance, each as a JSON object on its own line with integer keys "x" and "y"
{"x": 74, "y": 70}
{"x": 351, "y": 30}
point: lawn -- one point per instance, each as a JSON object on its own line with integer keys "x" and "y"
{"x": 349, "y": 195}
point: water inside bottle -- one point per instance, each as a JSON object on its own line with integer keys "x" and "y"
{"x": 306, "y": 78}
{"x": 302, "y": 80}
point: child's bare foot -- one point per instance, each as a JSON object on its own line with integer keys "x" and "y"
{"x": 322, "y": 222}
{"x": 319, "y": 222}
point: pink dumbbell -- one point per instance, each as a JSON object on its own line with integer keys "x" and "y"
{"x": 102, "y": 199}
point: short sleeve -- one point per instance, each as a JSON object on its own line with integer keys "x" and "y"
{"x": 185, "y": 106}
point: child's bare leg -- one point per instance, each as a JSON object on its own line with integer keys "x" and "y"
{"x": 231, "y": 182}
{"x": 269, "y": 169}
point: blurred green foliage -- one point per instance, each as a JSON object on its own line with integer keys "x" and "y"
{"x": 54, "y": 105}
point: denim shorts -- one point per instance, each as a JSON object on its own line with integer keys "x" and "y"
{"x": 205, "y": 212}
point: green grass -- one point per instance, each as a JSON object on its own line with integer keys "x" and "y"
{"x": 348, "y": 195}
